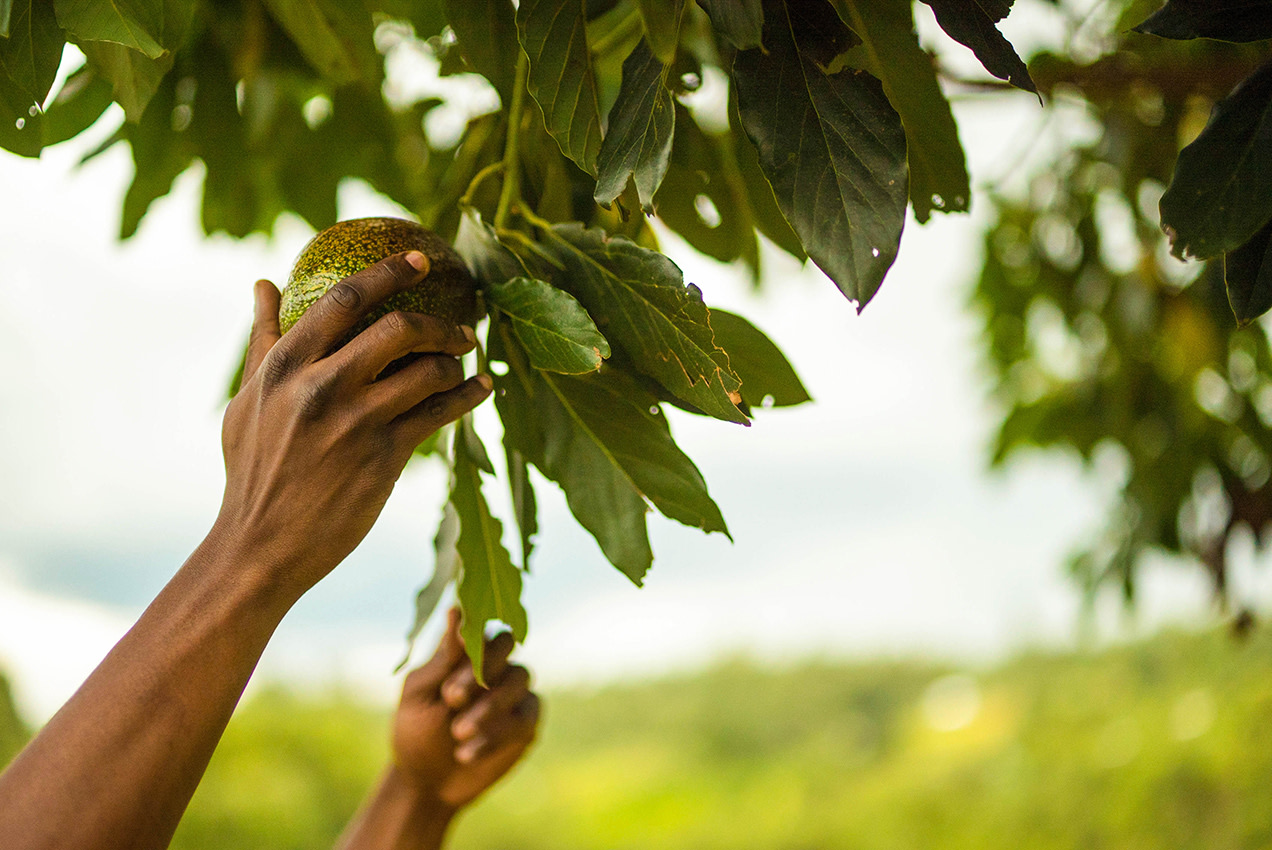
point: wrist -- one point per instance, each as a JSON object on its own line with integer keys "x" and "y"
{"x": 241, "y": 573}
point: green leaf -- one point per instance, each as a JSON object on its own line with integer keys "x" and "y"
{"x": 489, "y": 584}
{"x": 134, "y": 78}
{"x": 662, "y": 26}
{"x": 638, "y": 141}
{"x": 556, "y": 332}
{"x": 612, "y": 410}
{"x": 486, "y": 32}
{"x": 33, "y": 51}
{"x": 77, "y": 106}
{"x": 148, "y": 26}
{"x": 1226, "y": 20}
{"x": 741, "y": 22}
{"x": 334, "y": 37}
{"x": 159, "y": 155}
{"x": 703, "y": 168}
{"x": 1247, "y": 271}
{"x": 768, "y": 379}
{"x": 469, "y": 443}
{"x": 639, "y": 300}
{"x": 1221, "y": 193}
{"x": 600, "y": 494}
{"x": 491, "y": 262}
{"x": 21, "y": 132}
{"x": 561, "y": 80}
{"x": 445, "y": 567}
{"x": 6, "y": 13}
{"x": 938, "y": 168}
{"x": 769, "y": 219}
{"x": 830, "y": 144}
{"x": 524, "y": 504}
{"x": 973, "y": 23}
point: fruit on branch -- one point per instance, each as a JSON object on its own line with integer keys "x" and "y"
{"x": 448, "y": 291}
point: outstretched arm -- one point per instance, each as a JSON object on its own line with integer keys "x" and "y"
{"x": 313, "y": 446}
{"x": 452, "y": 739}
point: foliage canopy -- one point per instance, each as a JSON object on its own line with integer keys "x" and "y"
{"x": 835, "y": 125}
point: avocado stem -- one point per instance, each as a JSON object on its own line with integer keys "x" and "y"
{"x": 511, "y": 190}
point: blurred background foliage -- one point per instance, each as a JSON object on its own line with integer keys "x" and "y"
{"x": 1099, "y": 341}
{"x": 1156, "y": 744}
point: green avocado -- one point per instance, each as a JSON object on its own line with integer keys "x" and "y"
{"x": 448, "y": 292}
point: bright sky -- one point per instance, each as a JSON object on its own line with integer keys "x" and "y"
{"x": 864, "y": 523}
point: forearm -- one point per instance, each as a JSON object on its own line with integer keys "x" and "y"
{"x": 117, "y": 765}
{"x": 397, "y": 817}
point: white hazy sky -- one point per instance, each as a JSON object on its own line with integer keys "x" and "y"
{"x": 864, "y": 523}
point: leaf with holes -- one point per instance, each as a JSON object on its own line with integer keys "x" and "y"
{"x": 831, "y": 145}
{"x": 768, "y": 379}
{"x": 938, "y": 168}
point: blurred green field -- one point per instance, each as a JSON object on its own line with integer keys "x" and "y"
{"x": 1163, "y": 744}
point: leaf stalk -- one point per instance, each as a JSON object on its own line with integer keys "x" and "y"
{"x": 511, "y": 190}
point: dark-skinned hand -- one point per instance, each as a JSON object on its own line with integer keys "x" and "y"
{"x": 316, "y": 437}
{"x": 452, "y": 738}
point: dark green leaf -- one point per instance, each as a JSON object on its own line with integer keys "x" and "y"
{"x": 973, "y": 23}
{"x": 486, "y": 31}
{"x": 33, "y": 51}
{"x": 6, "y": 13}
{"x": 1226, "y": 20}
{"x": 662, "y": 26}
{"x": 489, "y": 584}
{"x": 702, "y": 177}
{"x": 639, "y": 300}
{"x": 134, "y": 78}
{"x": 769, "y": 219}
{"x": 830, "y": 144}
{"x": 79, "y": 103}
{"x": 554, "y": 36}
{"x": 21, "y": 132}
{"x": 524, "y": 505}
{"x": 555, "y": 330}
{"x": 741, "y": 22}
{"x": 1247, "y": 271}
{"x": 1221, "y": 192}
{"x": 445, "y": 567}
{"x": 159, "y": 155}
{"x": 637, "y": 143}
{"x": 335, "y": 37}
{"x": 768, "y": 379}
{"x": 599, "y": 493}
{"x": 938, "y": 169}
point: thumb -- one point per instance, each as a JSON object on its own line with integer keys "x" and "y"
{"x": 426, "y": 681}
{"x": 264, "y": 327}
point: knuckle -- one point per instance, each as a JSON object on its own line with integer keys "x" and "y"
{"x": 398, "y": 325}
{"x": 345, "y": 296}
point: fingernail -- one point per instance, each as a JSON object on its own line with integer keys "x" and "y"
{"x": 469, "y": 334}
{"x": 417, "y": 260}
{"x": 486, "y": 381}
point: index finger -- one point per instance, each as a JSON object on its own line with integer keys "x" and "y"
{"x": 329, "y": 320}
{"x": 425, "y": 682}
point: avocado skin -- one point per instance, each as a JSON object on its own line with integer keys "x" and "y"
{"x": 449, "y": 292}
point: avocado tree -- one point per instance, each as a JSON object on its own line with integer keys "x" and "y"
{"x": 836, "y": 123}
